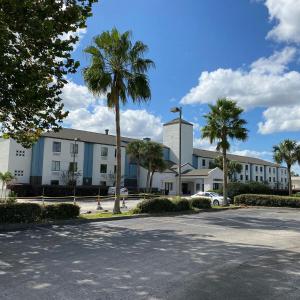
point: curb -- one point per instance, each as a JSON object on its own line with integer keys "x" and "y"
{"x": 24, "y": 226}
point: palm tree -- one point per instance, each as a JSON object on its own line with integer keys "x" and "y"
{"x": 5, "y": 178}
{"x": 118, "y": 68}
{"x": 224, "y": 124}
{"x": 232, "y": 165}
{"x": 158, "y": 165}
{"x": 135, "y": 150}
{"x": 287, "y": 151}
{"x": 152, "y": 152}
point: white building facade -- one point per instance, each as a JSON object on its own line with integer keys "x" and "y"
{"x": 93, "y": 157}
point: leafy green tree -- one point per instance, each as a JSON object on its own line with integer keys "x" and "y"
{"x": 118, "y": 68}
{"x": 152, "y": 155}
{"x": 5, "y": 178}
{"x": 224, "y": 123}
{"x": 232, "y": 166}
{"x": 158, "y": 165}
{"x": 287, "y": 151}
{"x": 135, "y": 150}
{"x": 36, "y": 41}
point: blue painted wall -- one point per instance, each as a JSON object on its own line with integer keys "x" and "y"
{"x": 88, "y": 160}
{"x": 130, "y": 169}
{"x": 37, "y": 157}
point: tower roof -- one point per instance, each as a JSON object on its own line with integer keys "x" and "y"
{"x": 176, "y": 121}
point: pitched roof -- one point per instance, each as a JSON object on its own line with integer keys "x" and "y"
{"x": 176, "y": 121}
{"x": 239, "y": 158}
{"x": 196, "y": 172}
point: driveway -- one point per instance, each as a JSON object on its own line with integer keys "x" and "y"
{"x": 237, "y": 254}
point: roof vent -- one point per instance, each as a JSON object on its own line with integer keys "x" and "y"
{"x": 146, "y": 139}
{"x": 106, "y": 131}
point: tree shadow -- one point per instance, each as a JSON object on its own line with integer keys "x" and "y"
{"x": 96, "y": 261}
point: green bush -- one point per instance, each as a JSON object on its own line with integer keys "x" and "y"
{"x": 155, "y": 205}
{"x": 182, "y": 204}
{"x": 200, "y": 202}
{"x": 20, "y": 213}
{"x": 61, "y": 211}
{"x": 267, "y": 200}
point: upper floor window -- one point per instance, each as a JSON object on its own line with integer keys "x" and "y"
{"x": 104, "y": 151}
{"x": 115, "y": 169}
{"x": 269, "y": 170}
{"x": 203, "y": 162}
{"x": 103, "y": 169}
{"x": 261, "y": 169}
{"x": 274, "y": 170}
{"x": 56, "y": 147}
{"x": 55, "y": 165}
{"x": 246, "y": 167}
{"x": 241, "y": 177}
{"x": 256, "y": 178}
{"x": 73, "y": 166}
{"x": 270, "y": 179}
{"x": 246, "y": 177}
{"x": 20, "y": 152}
{"x": 115, "y": 152}
{"x": 74, "y": 148}
{"x": 256, "y": 168}
{"x": 261, "y": 178}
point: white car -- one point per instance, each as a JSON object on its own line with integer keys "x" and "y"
{"x": 112, "y": 191}
{"x": 215, "y": 198}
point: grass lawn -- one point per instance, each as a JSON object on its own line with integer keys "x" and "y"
{"x": 104, "y": 215}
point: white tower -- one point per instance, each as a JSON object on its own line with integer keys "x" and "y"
{"x": 171, "y": 140}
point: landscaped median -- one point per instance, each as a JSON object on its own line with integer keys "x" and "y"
{"x": 267, "y": 200}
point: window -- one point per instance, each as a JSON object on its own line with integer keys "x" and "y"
{"x": 19, "y": 173}
{"x": 103, "y": 169}
{"x": 261, "y": 178}
{"x": 54, "y": 182}
{"x": 246, "y": 167}
{"x": 285, "y": 180}
{"x": 261, "y": 169}
{"x": 273, "y": 170}
{"x": 247, "y": 178}
{"x": 55, "y": 165}
{"x": 274, "y": 179}
{"x": 73, "y": 166}
{"x": 115, "y": 169}
{"x": 20, "y": 152}
{"x": 269, "y": 170}
{"x": 256, "y": 168}
{"x": 104, "y": 151}
{"x": 168, "y": 186}
{"x": 115, "y": 152}
{"x": 203, "y": 162}
{"x": 103, "y": 183}
{"x": 241, "y": 177}
{"x": 270, "y": 179}
{"x": 256, "y": 178}
{"x": 74, "y": 148}
{"x": 56, "y": 147}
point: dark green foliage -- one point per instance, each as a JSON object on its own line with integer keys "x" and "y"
{"x": 238, "y": 188}
{"x": 155, "y": 205}
{"x": 20, "y": 213}
{"x": 182, "y": 204}
{"x": 61, "y": 211}
{"x": 36, "y": 41}
{"x": 201, "y": 202}
{"x": 267, "y": 200}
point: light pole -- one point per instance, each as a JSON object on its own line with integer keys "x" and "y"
{"x": 175, "y": 110}
{"x": 73, "y": 170}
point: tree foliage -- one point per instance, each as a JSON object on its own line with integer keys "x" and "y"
{"x": 119, "y": 70}
{"x": 233, "y": 166}
{"x": 223, "y": 124}
{"x": 288, "y": 151}
{"x": 36, "y": 41}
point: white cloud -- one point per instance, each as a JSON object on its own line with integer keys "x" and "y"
{"x": 280, "y": 119}
{"x": 266, "y": 83}
{"x": 134, "y": 123}
{"x": 253, "y": 153}
{"x": 80, "y": 32}
{"x": 286, "y": 14}
{"x": 76, "y": 96}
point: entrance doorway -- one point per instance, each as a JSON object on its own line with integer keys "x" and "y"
{"x": 185, "y": 188}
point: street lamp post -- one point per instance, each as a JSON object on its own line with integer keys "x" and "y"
{"x": 175, "y": 110}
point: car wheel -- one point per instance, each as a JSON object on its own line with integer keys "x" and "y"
{"x": 216, "y": 203}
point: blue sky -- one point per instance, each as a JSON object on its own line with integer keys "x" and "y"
{"x": 247, "y": 50}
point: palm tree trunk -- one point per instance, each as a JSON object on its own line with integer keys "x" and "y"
{"x": 2, "y": 189}
{"x": 147, "y": 182}
{"x": 116, "y": 209}
{"x": 138, "y": 176}
{"x": 151, "y": 179}
{"x": 225, "y": 172}
{"x": 290, "y": 180}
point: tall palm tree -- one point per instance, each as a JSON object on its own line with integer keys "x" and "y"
{"x": 5, "y": 178}
{"x": 118, "y": 68}
{"x": 135, "y": 150}
{"x": 287, "y": 151}
{"x": 224, "y": 123}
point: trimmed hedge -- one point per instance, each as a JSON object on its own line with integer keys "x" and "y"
{"x": 182, "y": 204}
{"x": 33, "y": 212}
{"x": 20, "y": 213}
{"x": 267, "y": 200}
{"x": 61, "y": 211}
{"x": 200, "y": 202}
{"x": 155, "y": 205}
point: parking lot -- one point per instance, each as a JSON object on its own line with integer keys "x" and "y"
{"x": 249, "y": 253}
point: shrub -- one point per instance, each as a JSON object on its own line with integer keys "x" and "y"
{"x": 155, "y": 205}
{"x": 61, "y": 211}
{"x": 267, "y": 200}
{"x": 20, "y": 213}
{"x": 200, "y": 202}
{"x": 182, "y": 204}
